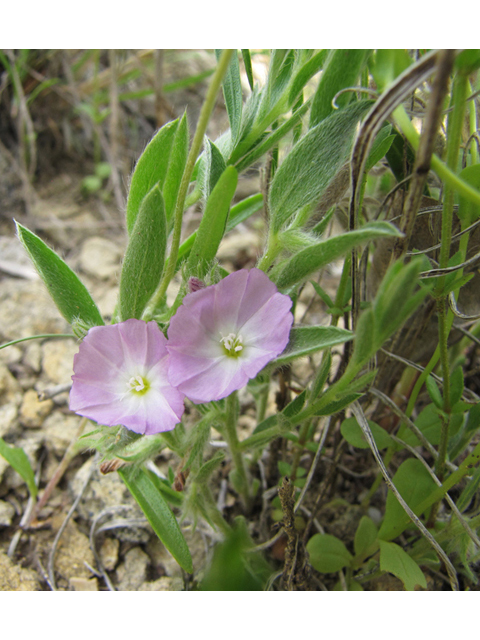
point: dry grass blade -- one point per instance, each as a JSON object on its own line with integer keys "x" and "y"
{"x": 362, "y": 421}
{"x": 382, "y": 109}
{"x": 427, "y": 141}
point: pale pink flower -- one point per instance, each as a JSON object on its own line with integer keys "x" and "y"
{"x": 225, "y": 334}
{"x": 120, "y": 378}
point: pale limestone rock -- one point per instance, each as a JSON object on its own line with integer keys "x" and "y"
{"x": 7, "y": 511}
{"x": 8, "y": 418}
{"x": 109, "y": 553}
{"x": 100, "y": 257}
{"x": 58, "y": 431}
{"x": 32, "y": 411}
{"x": 83, "y": 584}
{"x": 15, "y": 578}
{"x": 57, "y": 361}
{"x": 72, "y": 552}
{"x": 165, "y": 583}
{"x": 132, "y": 572}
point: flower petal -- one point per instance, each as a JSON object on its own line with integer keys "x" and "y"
{"x": 246, "y": 304}
{"x": 108, "y": 358}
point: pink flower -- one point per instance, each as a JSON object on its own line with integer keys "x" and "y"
{"x": 120, "y": 377}
{"x": 225, "y": 334}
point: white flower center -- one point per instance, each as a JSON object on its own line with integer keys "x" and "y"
{"x": 232, "y": 344}
{"x": 138, "y": 384}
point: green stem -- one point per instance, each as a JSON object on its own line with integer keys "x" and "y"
{"x": 40, "y": 337}
{"x": 454, "y": 132}
{"x": 203, "y": 119}
{"x": 212, "y": 510}
{"x": 448, "y": 176}
{"x": 234, "y": 446}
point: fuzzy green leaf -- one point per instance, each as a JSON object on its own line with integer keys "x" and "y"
{"x": 342, "y": 69}
{"x": 158, "y": 513}
{"x": 213, "y": 223}
{"x": 67, "y": 291}
{"x": 150, "y": 170}
{"x": 307, "y": 340}
{"x": 232, "y": 92}
{"x": 305, "y": 262}
{"x": 175, "y": 169}
{"x": 144, "y": 257}
{"x": 313, "y": 162}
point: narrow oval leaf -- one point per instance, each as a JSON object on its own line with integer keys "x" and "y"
{"x": 365, "y": 541}
{"x": 311, "y": 259}
{"x": 151, "y": 169}
{"x": 213, "y": 223}
{"x": 395, "y": 560}
{"x": 307, "y": 340}
{"x": 212, "y": 167}
{"x": 327, "y": 553}
{"x": 18, "y": 460}
{"x": 313, "y": 162}
{"x": 414, "y": 484}
{"x": 68, "y": 293}
{"x": 144, "y": 257}
{"x": 158, "y": 514}
{"x": 176, "y": 167}
{"x": 342, "y": 69}
{"x": 232, "y": 92}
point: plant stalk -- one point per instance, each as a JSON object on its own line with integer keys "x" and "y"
{"x": 203, "y": 119}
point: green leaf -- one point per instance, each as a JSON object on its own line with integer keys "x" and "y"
{"x": 338, "y": 405}
{"x": 150, "y": 170}
{"x": 67, "y": 291}
{"x": 342, "y": 69}
{"x": 434, "y": 391}
{"x": 388, "y": 64}
{"x": 380, "y": 147}
{"x": 395, "y": 300}
{"x": 176, "y": 167}
{"x": 158, "y": 514}
{"x": 18, "y": 460}
{"x": 414, "y": 484}
{"x": 247, "y": 61}
{"x": 327, "y": 553}
{"x": 279, "y": 73}
{"x": 232, "y": 92}
{"x": 470, "y": 491}
{"x": 307, "y": 71}
{"x": 212, "y": 167}
{"x": 203, "y": 474}
{"x": 238, "y": 213}
{"x": 394, "y": 560}
{"x": 307, "y": 340}
{"x": 213, "y": 223}
{"x": 144, "y": 257}
{"x": 365, "y": 542}
{"x": 353, "y": 434}
{"x": 311, "y": 259}
{"x": 313, "y": 162}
